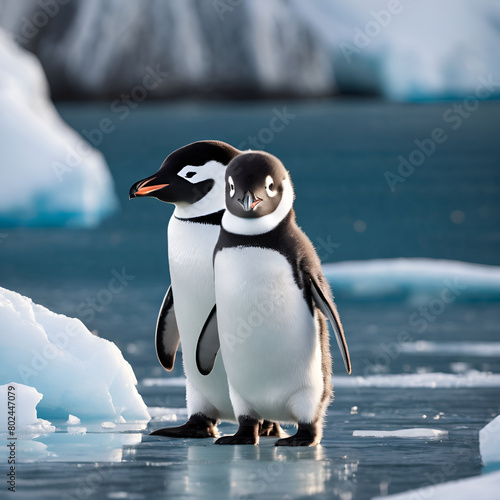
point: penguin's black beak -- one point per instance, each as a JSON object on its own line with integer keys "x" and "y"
{"x": 146, "y": 187}
{"x": 249, "y": 201}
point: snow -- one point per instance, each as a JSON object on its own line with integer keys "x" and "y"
{"x": 419, "y": 279}
{"x": 409, "y": 51}
{"x": 470, "y": 379}
{"x": 23, "y": 412}
{"x": 484, "y": 487}
{"x": 479, "y": 349}
{"x": 489, "y": 442}
{"x": 404, "y": 433}
{"x": 77, "y": 372}
{"x": 167, "y": 382}
{"x": 54, "y": 178}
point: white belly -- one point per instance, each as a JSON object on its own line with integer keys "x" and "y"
{"x": 268, "y": 336}
{"x": 190, "y": 251}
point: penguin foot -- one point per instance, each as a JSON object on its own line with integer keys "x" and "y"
{"x": 269, "y": 428}
{"x": 198, "y": 426}
{"x": 307, "y": 435}
{"x": 247, "y": 433}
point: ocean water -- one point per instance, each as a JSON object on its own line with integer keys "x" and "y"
{"x": 435, "y": 368}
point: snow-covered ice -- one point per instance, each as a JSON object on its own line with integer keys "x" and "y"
{"x": 403, "y": 433}
{"x": 484, "y": 487}
{"x": 52, "y": 177}
{"x": 77, "y": 372}
{"x": 489, "y": 442}
{"x": 419, "y": 279}
{"x": 23, "y": 401}
{"x": 479, "y": 349}
{"x": 434, "y": 380}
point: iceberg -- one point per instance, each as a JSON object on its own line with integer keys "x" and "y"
{"x": 52, "y": 177}
{"x": 78, "y": 373}
{"x": 485, "y": 487}
{"x": 404, "y": 433}
{"x": 489, "y": 442}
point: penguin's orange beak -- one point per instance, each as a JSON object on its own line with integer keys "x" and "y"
{"x": 142, "y": 188}
{"x": 149, "y": 189}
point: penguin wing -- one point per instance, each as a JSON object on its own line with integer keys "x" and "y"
{"x": 330, "y": 311}
{"x": 167, "y": 333}
{"x": 208, "y": 344}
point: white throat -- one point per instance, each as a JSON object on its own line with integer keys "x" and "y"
{"x": 213, "y": 201}
{"x": 260, "y": 225}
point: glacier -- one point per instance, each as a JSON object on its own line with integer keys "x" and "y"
{"x": 52, "y": 176}
{"x": 405, "y": 51}
{"x": 197, "y": 48}
{"x": 76, "y": 372}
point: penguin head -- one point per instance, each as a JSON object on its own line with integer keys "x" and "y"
{"x": 189, "y": 174}
{"x": 257, "y": 185}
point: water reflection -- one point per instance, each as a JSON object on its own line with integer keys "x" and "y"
{"x": 244, "y": 472}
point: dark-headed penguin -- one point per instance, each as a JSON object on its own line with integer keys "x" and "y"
{"x": 273, "y": 303}
{"x": 192, "y": 178}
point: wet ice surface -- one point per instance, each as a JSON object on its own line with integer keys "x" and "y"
{"x": 125, "y": 462}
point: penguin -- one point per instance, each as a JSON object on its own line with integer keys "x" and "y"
{"x": 192, "y": 178}
{"x": 273, "y": 303}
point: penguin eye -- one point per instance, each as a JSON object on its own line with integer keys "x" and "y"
{"x": 190, "y": 174}
{"x": 270, "y": 187}
{"x": 232, "y": 190}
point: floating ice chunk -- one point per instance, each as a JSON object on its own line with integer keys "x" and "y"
{"x": 472, "y": 378}
{"x": 72, "y": 420}
{"x": 404, "y": 433}
{"x": 484, "y": 487}
{"x": 489, "y": 442}
{"x": 167, "y": 414}
{"x": 18, "y": 415}
{"x": 77, "y": 430}
{"x": 164, "y": 382}
{"x": 418, "y": 279}
{"x": 77, "y": 372}
{"x": 480, "y": 349}
{"x": 52, "y": 176}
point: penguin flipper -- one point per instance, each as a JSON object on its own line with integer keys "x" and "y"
{"x": 167, "y": 333}
{"x": 208, "y": 344}
{"x": 330, "y": 311}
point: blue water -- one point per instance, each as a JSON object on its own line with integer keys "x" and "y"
{"x": 337, "y": 153}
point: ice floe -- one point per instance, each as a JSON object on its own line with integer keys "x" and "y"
{"x": 415, "y": 279}
{"x": 485, "y": 487}
{"x": 403, "y": 433}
